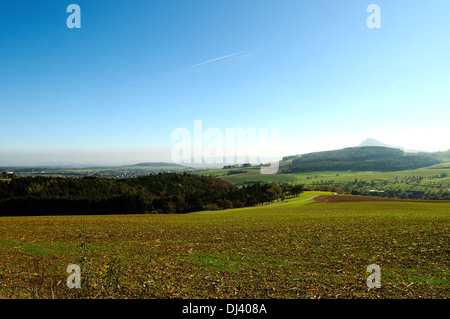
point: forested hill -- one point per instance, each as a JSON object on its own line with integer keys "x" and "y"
{"x": 369, "y": 158}
{"x": 159, "y": 193}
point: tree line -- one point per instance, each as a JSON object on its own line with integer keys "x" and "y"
{"x": 159, "y": 193}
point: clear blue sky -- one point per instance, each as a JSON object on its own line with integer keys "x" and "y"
{"x": 114, "y": 90}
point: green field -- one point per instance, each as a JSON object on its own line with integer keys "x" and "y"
{"x": 254, "y": 174}
{"x": 289, "y": 250}
{"x": 306, "y": 196}
{"x": 435, "y": 179}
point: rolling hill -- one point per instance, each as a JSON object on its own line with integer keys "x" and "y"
{"x": 373, "y": 142}
{"x": 364, "y": 158}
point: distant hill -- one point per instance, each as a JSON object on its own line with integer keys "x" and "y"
{"x": 443, "y": 157}
{"x": 373, "y": 142}
{"x": 151, "y": 164}
{"x": 363, "y": 158}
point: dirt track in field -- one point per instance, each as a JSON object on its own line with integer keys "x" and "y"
{"x": 353, "y": 199}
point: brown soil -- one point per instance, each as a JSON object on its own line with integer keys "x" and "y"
{"x": 353, "y": 198}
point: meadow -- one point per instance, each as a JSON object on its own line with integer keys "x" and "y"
{"x": 253, "y": 175}
{"x": 297, "y": 249}
{"x": 433, "y": 180}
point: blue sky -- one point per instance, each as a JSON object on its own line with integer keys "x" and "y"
{"x": 114, "y": 90}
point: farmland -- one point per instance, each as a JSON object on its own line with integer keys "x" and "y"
{"x": 253, "y": 175}
{"x": 297, "y": 249}
{"x": 434, "y": 181}
{"x": 381, "y": 171}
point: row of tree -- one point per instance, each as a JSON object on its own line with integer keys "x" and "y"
{"x": 159, "y": 193}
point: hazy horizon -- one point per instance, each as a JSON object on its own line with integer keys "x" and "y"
{"x": 85, "y": 158}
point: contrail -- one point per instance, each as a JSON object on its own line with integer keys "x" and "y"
{"x": 204, "y": 63}
{"x": 213, "y": 60}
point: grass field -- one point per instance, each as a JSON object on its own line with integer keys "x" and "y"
{"x": 289, "y": 250}
{"x": 254, "y": 174}
{"x": 434, "y": 179}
